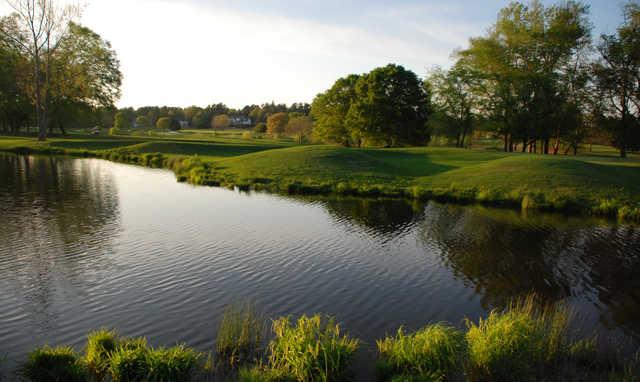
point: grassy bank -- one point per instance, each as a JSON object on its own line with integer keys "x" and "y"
{"x": 526, "y": 341}
{"x": 597, "y": 183}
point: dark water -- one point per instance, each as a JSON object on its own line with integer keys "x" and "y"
{"x": 86, "y": 243}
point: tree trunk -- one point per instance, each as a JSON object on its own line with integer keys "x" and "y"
{"x": 506, "y": 143}
{"x": 623, "y": 152}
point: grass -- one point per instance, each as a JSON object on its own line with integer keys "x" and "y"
{"x": 594, "y": 182}
{"x": 239, "y": 338}
{"x": 523, "y": 340}
{"x": 431, "y": 353}
{"x": 312, "y": 349}
{"x": 60, "y": 364}
{"x": 526, "y": 341}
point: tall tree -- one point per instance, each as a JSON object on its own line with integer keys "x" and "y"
{"x": 453, "y": 101}
{"x": 329, "y": 110}
{"x": 528, "y": 65}
{"x": 617, "y": 79}
{"x": 38, "y": 28}
{"x": 391, "y": 107}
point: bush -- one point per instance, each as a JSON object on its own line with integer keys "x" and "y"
{"x": 100, "y": 345}
{"x": 247, "y": 135}
{"x": 311, "y": 350}
{"x": 433, "y": 352}
{"x": 239, "y": 336}
{"x": 60, "y": 364}
{"x": 114, "y": 131}
{"x": 517, "y": 341}
{"x": 163, "y": 123}
{"x": 263, "y": 374}
{"x": 260, "y": 128}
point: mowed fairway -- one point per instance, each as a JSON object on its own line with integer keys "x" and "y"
{"x": 597, "y": 182}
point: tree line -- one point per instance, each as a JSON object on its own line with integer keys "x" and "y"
{"x": 536, "y": 79}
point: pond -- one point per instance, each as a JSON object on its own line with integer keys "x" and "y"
{"x": 87, "y": 243}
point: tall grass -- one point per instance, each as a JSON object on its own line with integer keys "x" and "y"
{"x": 312, "y": 349}
{"x": 240, "y": 336}
{"x": 100, "y": 346}
{"x": 60, "y": 364}
{"x": 523, "y": 340}
{"x": 431, "y": 353}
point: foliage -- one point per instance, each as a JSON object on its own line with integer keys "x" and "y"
{"x": 300, "y": 127}
{"x": 391, "y": 107}
{"x": 60, "y": 364}
{"x": 121, "y": 122}
{"x": 435, "y": 351}
{"x": 220, "y": 122}
{"x": 240, "y": 336}
{"x": 277, "y": 123}
{"x": 163, "y": 123}
{"x": 260, "y": 128}
{"x": 329, "y": 110}
{"x": 142, "y": 121}
{"x": 617, "y": 79}
{"x": 312, "y": 349}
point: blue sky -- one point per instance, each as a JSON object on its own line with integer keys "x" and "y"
{"x": 178, "y": 52}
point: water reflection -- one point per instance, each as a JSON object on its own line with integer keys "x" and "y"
{"x": 89, "y": 243}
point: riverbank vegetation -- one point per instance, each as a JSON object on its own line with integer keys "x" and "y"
{"x": 526, "y": 340}
{"x": 593, "y": 182}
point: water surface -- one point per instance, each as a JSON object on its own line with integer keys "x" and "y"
{"x": 86, "y": 243}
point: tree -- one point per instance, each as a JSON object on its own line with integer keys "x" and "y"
{"x": 163, "y": 123}
{"x": 220, "y": 122}
{"x": 260, "y": 128}
{"x": 37, "y": 29}
{"x": 142, "y": 121}
{"x": 277, "y": 123}
{"x": 391, "y": 107}
{"x": 529, "y": 69}
{"x": 329, "y": 110}
{"x": 617, "y": 80}
{"x": 15, "y": 105}
{"x": 300, "y": 127}
{"x": 122, "y": 121}
{"x": 454, "y": 102}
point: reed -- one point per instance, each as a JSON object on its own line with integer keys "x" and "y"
{"x": 240, "y": 336}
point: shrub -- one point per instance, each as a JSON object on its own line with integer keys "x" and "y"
{"x": 239, "y": 336}
{"x": 163, "y": 123}
{"x": 60, "y": 364}
{"x": 434, "y": 351}
{"x": 517, "y": 340}
{"x": 100, "y": 345}
{"x": 114, "y": 131}
{"x": 260, "y": 128}
{"x": 247, "y": 135}
{"x": 314, "y": 349}
{"x": 263, "y": 374}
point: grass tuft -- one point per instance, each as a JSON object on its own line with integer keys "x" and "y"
{"x": 60, "y": 364}
{"x": 240, "y": 337}
{"x": 431, "y": 353}
{"x": 312, "y": 349}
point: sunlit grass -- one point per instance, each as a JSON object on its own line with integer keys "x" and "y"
{"x": 432, "y": 352}
{"x": 239, "y": 338}
{"x": 60, "y": 364}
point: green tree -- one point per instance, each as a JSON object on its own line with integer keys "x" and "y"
{"x": 329, "y": 111}
{"x": 529, "y": 67}
{"x": 300, "y": 128}
{"x": 164, "y": 123}
{"x": 391, "y": 107}
{"x": 122, "y": 121}
{"x": 453, "y": 101}
{"x": 277, "y": 123}
{"x": 617, "y": 79}
{"x": 142, "y": 121}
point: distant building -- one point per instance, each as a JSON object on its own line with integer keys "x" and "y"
{"x": 240, "y": 121}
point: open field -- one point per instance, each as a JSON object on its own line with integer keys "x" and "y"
{"x": 596, "y": 182}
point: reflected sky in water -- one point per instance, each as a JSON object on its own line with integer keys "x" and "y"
{"x": 88, "y": 243}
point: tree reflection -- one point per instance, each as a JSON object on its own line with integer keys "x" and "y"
{"x": 503, "y": 255}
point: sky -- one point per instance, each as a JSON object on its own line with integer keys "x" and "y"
{"x": 239, "y": 52}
